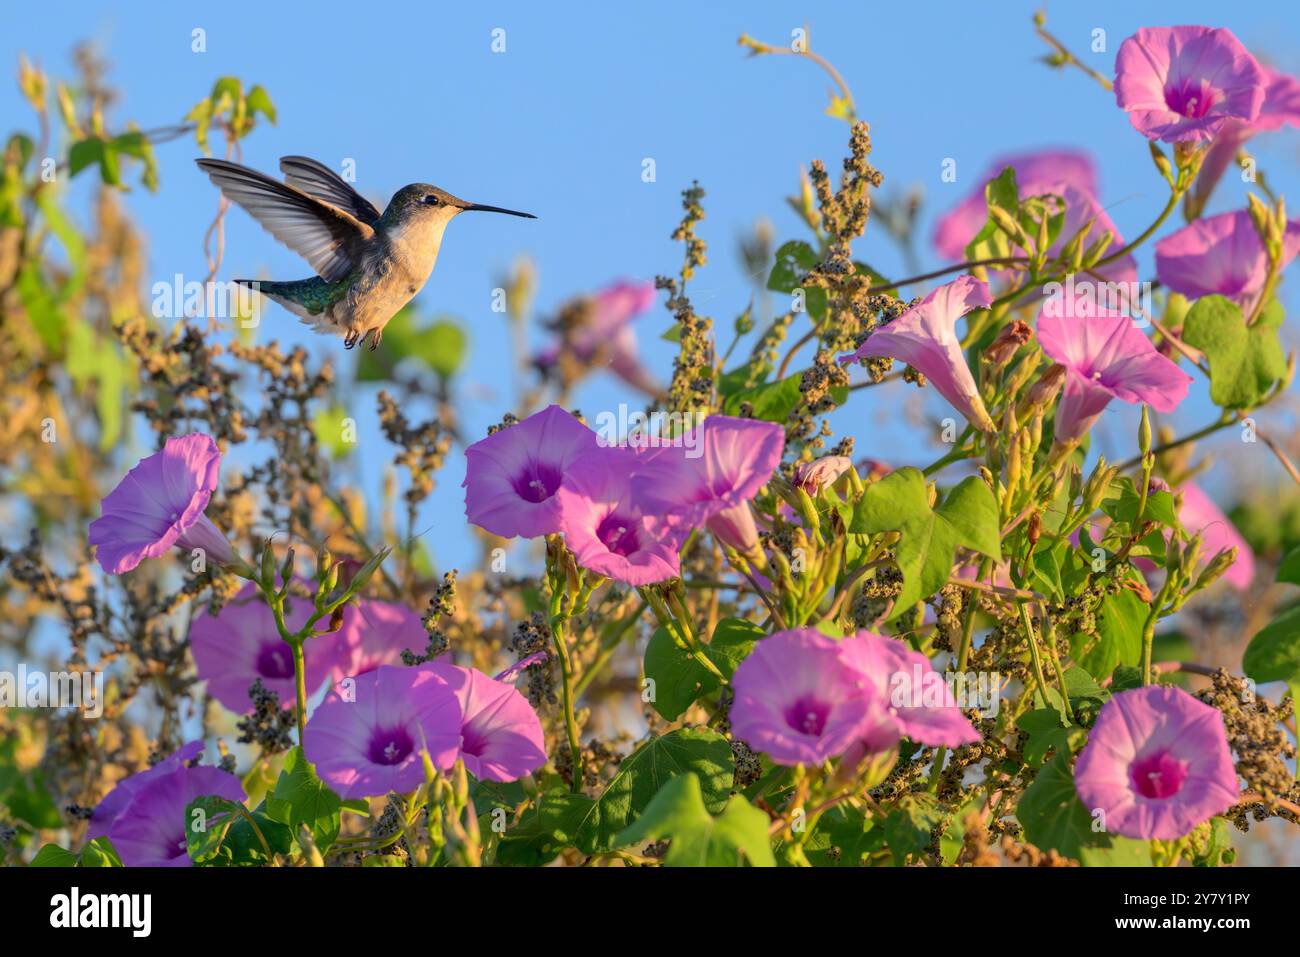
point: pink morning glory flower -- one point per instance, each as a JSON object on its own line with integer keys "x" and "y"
{"x": 1281, "y": 108}
{"x": 925, "y": 337}
{"x": 376, "y": 633}
{"x": 116, "y": 800}
{"x": 241, "y": 645}
{"x": 150, "y": 830}
{"x": 501, "y": 736}
{"x": 160, "y": 505}
{"x": 1200, "y": 514}
{"x": 511, "y": 477}
{"x": 917, "y": 702}
{"x": 798, "y": 701}
{"x": 1105, "y": 357}
{"x": 710, "y": 476}
{"x": 608, "y": 334}
{"x": 1181, "y": 84}
{"x": 606, "y": 526}
{"x": 1156, "y": 763}
{"x": 367, "y": 739}
{"x": 1045, "y": 171}
{"x": 1222, "y": 255}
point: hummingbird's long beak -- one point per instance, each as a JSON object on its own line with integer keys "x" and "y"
{"x": 496, "y": 209}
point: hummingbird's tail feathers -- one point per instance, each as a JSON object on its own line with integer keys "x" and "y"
{"x": 317, "y": 179}
{"x": 330, "y": 238}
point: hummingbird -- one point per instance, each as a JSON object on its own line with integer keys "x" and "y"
{"x": 368, "y": 265}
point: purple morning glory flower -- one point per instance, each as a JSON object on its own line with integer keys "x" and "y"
{"x": 1281, "y": 108}
{"x": 1221, "y": 255}
{"x": 1038, "y": 173}
{"x": 366, "y": 739}
{"x": 242, "y": 644}
{"x": 918, "y": 704}
{"x": 709, "y": 477}
{"x": 1157, "y": 764}
{"x": 925, "y": 337}
{"x": 376, "y": 633}
{"x": 116, "y": 800}
{"x": 608, "y": 335}
{"x": 799, "y": 701}
{"x": 150, "y": 830}
{"x": 160, "y": 504}
{"x": 1181, "y": 84}
{"x": 1105, "y": 357}
{"x": 511, "y": 477}
{"x": 606, "y": 526}
{"x": 1200, "y": 514}
{"x": 501, "y": 736}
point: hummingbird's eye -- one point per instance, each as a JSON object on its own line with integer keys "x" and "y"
{"x": 432, "y": 200}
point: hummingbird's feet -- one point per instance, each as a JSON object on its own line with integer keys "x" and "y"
{"x": 375, "y": 336}
{"x": 350, "y": 340}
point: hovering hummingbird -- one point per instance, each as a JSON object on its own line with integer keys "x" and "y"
{"x": 368, "y": 265}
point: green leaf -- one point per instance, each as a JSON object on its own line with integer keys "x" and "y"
{"x": 1055, "y": 819}
{"x": 1244, "y": 361}
{"x": 51, "y": 855}
{"x": 794, "y": 260}
{"x": 1046, "y": 731}
{"x": 441, "y": 346}
{"x": 642, "y": 774}
{"x": 1289, "y": 570}
{"x": 908, "y": 828}
{"x": 1274, "y": 653}
{"x": 1118, "y": 641}
{"x": 929, "y": 537}
{"x": 680, "y": 679}
{"x": 328, "y": 424}
{"x": 544, "y": 829}
{"x": 259, "y": 101}
{"x": 990, "y": 242}
{"x": 771, "y": 401}
{"x": 677, "y": 813}
{"x": 100, "y": 853}
{"x": 301, "y": 797}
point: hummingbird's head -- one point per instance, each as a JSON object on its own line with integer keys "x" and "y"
{"x": 428, "y": 205}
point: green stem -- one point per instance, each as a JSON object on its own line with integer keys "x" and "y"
{"x": 570, "y": 717}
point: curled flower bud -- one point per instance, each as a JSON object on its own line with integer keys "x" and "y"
{"x": 814, "y": 476}
{"x": 1011, "y": 338}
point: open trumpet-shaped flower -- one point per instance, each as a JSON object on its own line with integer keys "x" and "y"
{"x": 1156, "y": 764}
{"x": 925, "y": 337}
{"x": 1045, "y": 171}
{"x": 159, "y": 505}
{"x": 711, "y": 476}
{"x": 116, "y": 800}
{"x": 1281, "y": 108}
{"x": 376, "y": 633}
{"x": 511, "y": 477}
{"x": 1105, "y": 357}
{"x": 242, "y": 644}
{"x": 608, "y": 336}
{"x": 917, "y": 702}
{"x": 368, "y": 740}
{"x": 798, "y": 701}
{"x": 501, "y": 736}
{"x": 606, "y": 526}
{"x": 1221, "y": 255}
{"x": 150, "y": 830}
{"x": 1181, "y": 84}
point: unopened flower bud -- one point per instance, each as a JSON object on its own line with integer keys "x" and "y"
{"x": 1219, "y": 564}
{"x": 1009, "y": 340}
{"x": 814, "y": 476}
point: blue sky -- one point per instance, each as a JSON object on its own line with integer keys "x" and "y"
{"x": 560, "y": 123}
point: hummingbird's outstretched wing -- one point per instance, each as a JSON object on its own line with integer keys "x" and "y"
{"x": 331, "y": 239}
{"x": 320, "y": 181}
